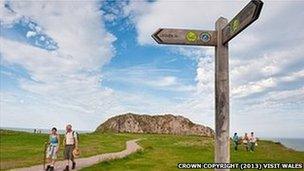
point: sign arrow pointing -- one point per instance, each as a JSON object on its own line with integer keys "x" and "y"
{"x": 243, "y": 19}
{"x": 185, "y": 37}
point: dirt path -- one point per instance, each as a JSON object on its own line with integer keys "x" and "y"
{"x": 132, "y": 147}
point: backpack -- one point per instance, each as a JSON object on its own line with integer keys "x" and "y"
{"x": 77, "y": 135}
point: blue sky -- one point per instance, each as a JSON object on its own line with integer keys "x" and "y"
{"x": 83, "y": 62}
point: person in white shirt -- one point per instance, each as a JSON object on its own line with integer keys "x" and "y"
{"x": 70, "y": 143}
{"x": 252, "y": 141}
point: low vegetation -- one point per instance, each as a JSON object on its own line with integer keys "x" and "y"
{"x": 164, "y": 152}
{"x": 161, "y": 152}
{"x": 20, "y": 149}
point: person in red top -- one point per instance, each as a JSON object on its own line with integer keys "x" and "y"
{"x": 246, "y": 141}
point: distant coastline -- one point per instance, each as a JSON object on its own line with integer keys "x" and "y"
{"x": 293, "y": 143}
{"x": 43, "y": 131}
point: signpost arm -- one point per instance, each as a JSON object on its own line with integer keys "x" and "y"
{"x": 219, "y": 38}
{"x": 222, "y": 139}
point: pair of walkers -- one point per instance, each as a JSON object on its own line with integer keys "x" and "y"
{"x": 249, "y": 141}
{"x": 70, "y": 148}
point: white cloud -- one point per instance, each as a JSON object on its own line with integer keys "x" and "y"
{"x": 8, "y": 17}
{"x": 250, "y": 88}
{"x": 263, "y": 58}
{"x": 253, "y": 87}
{"x": 267, "y": 65}
{"x": 66, "y": 83}
{"x": 293, "y": 76}
{"x": 30, "y": 34}
{"x": 149, "y": 77}
{"x": 181, "y": 14}
{"x": 166, "y": 81}
{"x": 66, "y": 23}
{"x": 148, "y": 17}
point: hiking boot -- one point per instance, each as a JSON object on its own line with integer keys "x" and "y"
{"x": 47, "y": 167}
{"x": 66, "y": 168}
{"x": 73, "y": 165}
{"x": 52, "y": 168}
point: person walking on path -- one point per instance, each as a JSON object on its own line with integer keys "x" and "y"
{"x": 252, "y": 141}
{"x": 70, "y": 143}
{"x": 246, "y": 141}
{"x": 52, "y": 149}
{"x": 235, "y": 141}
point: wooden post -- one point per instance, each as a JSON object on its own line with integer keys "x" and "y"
{"x": 219, "y": 38}
{"x": 222, "y": 139}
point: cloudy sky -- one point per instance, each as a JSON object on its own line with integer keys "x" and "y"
{"x": 83, "y": 62}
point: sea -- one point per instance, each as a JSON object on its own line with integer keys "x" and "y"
{"x": 293, "y": 143}
{"x": 43, "y": 131}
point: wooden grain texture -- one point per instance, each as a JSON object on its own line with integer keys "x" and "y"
{"x": 179, "y": 37}
{"x": 243, "y": 19}
{"x": 222, "y": 150}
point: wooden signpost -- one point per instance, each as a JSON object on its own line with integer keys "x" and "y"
{"x": 243, "y": 19}
{"x": 218, "y": 38}
{"x": 185, "y": 37}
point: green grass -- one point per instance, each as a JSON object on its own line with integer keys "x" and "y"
{"x": 161, "y": 152}
{"x": 20, "y": 149}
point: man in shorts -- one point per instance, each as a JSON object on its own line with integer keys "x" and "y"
{"x": 70, "y": 143}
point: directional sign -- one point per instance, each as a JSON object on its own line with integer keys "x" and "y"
{"x": 219, "y": 37}
{"x": 185, "y": 37}
{"x": 242, "y": 20}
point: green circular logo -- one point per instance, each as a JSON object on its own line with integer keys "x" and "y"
{"x": 235, "y": 25}
{"x": 191, "y": 36}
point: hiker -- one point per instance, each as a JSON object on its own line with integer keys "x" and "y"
{"x": 70, "y": 144}
{"x": 246, "y": 141}
{"x": 235, "y": 141}
{"x": 52, "y": 149}
{"x": 252, "y": 141}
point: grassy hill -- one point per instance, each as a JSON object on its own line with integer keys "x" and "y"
{"x": 161, "y": 152}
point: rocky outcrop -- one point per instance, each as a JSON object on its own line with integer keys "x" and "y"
{"x": 160, "y": 124}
